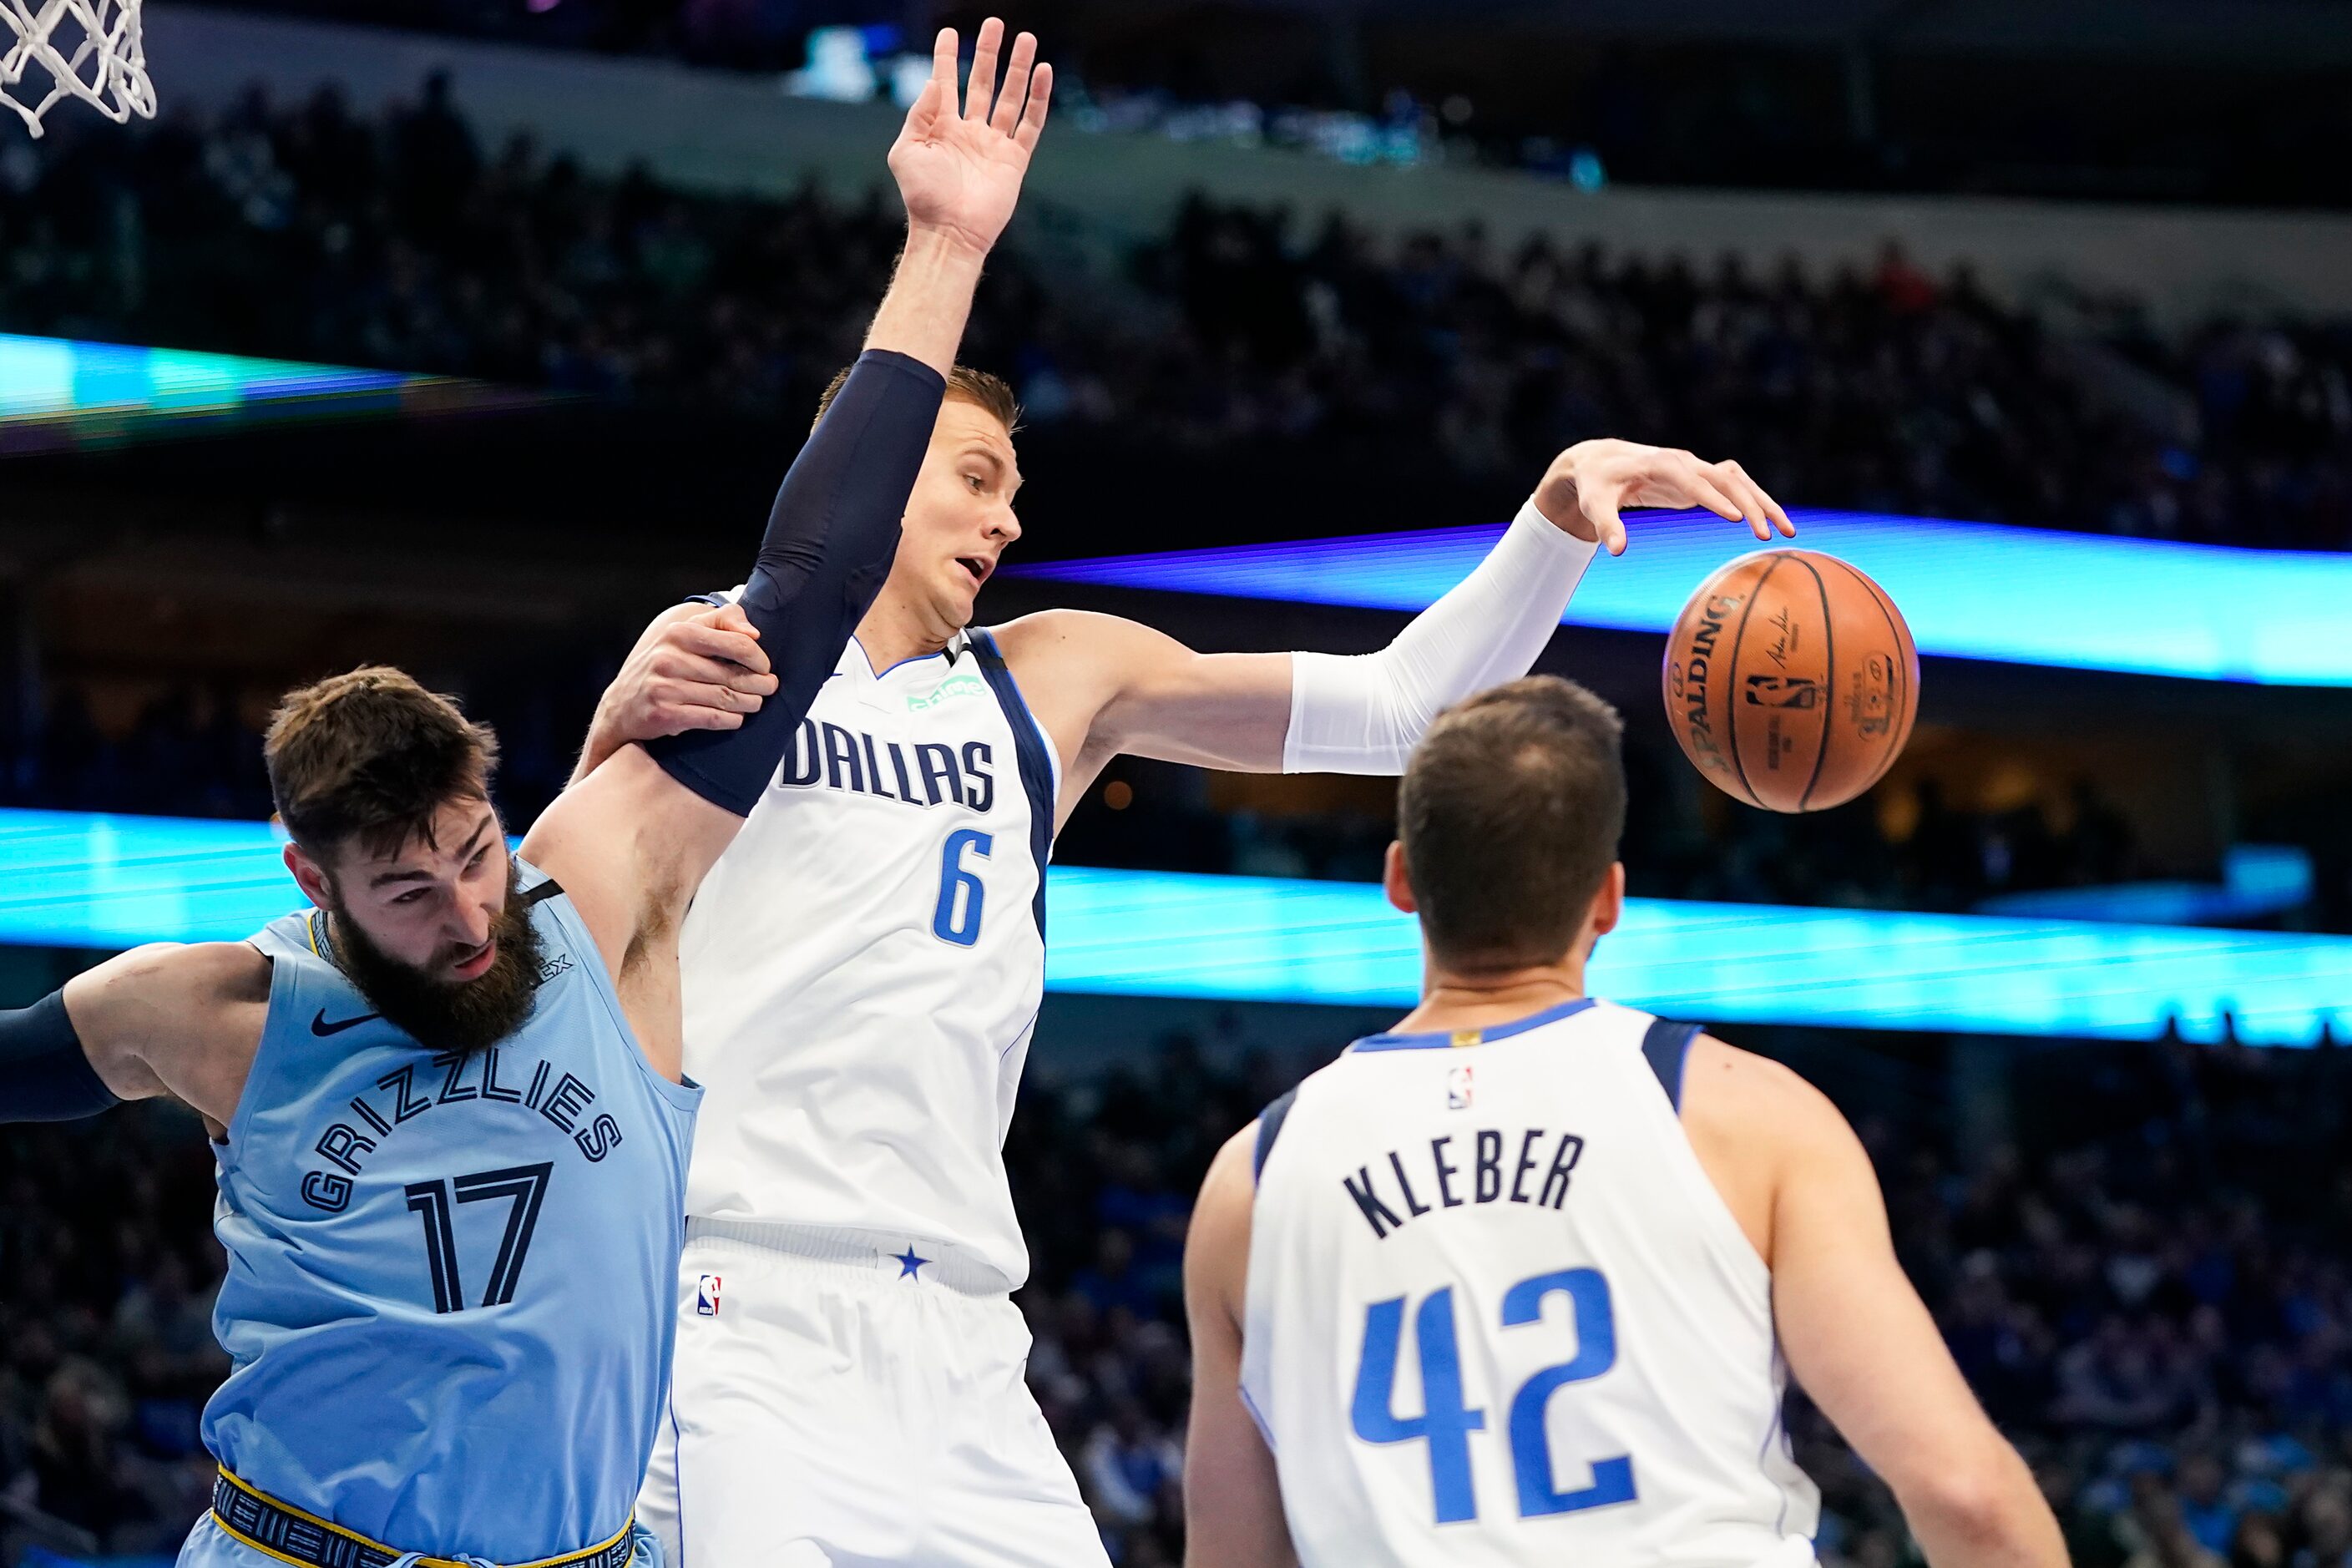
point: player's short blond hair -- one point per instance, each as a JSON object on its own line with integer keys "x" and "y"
{"x": 965, "y": 385}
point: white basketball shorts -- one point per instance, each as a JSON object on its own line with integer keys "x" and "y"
{"x": 840, "y": 1400}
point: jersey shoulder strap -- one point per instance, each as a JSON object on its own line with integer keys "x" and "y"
{"x": 1667, "y": 1044}
{"x": 1040, "y": 774}
{"x": 1269, "y": 1127}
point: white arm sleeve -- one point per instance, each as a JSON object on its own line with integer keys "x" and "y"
{"x": 1363, "y": 713}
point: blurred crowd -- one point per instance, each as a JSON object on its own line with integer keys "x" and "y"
{"x": 194, "y": 749}
{"x": 317, "y": 232}
{"x": 1884, "y": 390}
{"x": 2150, "y": 1287}
{"x": 1876, "y": 111}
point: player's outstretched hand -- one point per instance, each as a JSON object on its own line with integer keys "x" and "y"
{"x": 959, "y": 169}
{"x": 697, "y": 668}
{"x": 1588, "y": 484}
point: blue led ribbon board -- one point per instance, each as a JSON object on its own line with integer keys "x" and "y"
{"x": 1971, "y": 590}
{"x": 74, "y": 880}
{"x": 1266, "y": 940}
{"x": 59, "y": 392}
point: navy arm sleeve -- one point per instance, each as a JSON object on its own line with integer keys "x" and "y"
{"x": 828, "y": 547}
{"x": 45, "y": 1074}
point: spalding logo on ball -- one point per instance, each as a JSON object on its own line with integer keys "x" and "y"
{"x": 1792, "y": 680}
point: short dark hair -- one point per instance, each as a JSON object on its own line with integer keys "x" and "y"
{"x": 965, "y": 385}
{"x": 372, "y": 756}
{"x": 1510, "y": 812}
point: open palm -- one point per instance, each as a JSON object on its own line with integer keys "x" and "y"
{"x": 959, "y": 170}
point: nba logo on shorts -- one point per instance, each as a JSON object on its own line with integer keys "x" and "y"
{"x": 1458, "y": 1089}
{"x": 706, "y": 1297}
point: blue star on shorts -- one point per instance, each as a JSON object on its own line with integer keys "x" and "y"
{"x": 908, "y": 1263}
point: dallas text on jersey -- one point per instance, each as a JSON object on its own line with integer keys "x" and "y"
{"x": 935, "y": 775}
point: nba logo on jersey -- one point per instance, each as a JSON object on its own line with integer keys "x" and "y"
{"x": 1458, "y": 1088}
{"x": 706, "y": 1297}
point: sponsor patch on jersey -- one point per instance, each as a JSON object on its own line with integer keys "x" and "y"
{"x": 554, "y": 964}
{"x": 706, "y": 1297}
{"x": 1459, "y": 1089}
{"x": 952, "y": 689}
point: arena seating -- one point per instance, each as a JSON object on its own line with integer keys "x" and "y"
{"x": 313, "y": 232}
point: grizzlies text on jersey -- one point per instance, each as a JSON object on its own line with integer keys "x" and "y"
{"x": 448, "y": 1296}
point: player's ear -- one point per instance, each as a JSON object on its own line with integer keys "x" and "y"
{"x": 1608, "y": 903}
{"x": 310, "y": 877}
{"x": 1395, "y": 883}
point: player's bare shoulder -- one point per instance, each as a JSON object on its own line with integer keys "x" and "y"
{"x": 1726, "y": 1086}
{"x": 1061, "y": 644}
{"x": 1751, "y": 1121}
{"x": 182, "y": 1019}
{"x": 1069, "y": 664}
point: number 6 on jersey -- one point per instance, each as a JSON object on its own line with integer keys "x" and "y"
{"x": 961, "y": 894}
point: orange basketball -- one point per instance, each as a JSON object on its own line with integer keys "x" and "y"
{"x": 1792, "y": 680}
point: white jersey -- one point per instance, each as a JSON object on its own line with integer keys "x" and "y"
{"x": 1498, "y": 1313}
{"x": 863, "y": 967}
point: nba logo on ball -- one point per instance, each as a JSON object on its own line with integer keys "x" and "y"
{"x": 1457, "y": 1089}
{"x": 706, "y": 1297}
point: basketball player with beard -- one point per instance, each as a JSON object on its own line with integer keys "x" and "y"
{"x": 446, "y": 1101}
{"x": 864, "y": 967}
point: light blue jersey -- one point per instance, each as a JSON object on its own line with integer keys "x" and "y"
{"x": 449, "y": 1300}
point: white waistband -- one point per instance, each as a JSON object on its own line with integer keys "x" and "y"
{"x": 889, "y": 1255}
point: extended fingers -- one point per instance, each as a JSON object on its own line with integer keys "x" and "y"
{"x": 1703, "y": 490}
{"x": 1032, "y": 118}
{"x": 980, "y": 93}
{"x": 937, "y": 96}
{"x": 1746, "y": 508}
{"x": 1007, "y": 113}
{"x": 1754, "y": 500}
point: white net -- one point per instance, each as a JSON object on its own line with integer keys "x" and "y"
{"x": 88, "y": 49}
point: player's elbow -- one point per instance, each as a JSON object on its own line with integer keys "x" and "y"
{"x": 1984, "y": 1508}
{"x": 1968, "y": 1501}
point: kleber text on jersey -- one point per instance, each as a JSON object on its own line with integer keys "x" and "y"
{"x": 1522, "y": 1165}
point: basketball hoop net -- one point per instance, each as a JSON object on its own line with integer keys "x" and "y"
{"x": 88, "y": 49}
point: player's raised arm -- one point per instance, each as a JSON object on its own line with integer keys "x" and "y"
{"x": 1106, "y": 686}
{"x": 1140, "y": 691}
{"x": 1857, "y": 1335}
{"x": 830, "y": 538}
{"x": 958, "y": 172}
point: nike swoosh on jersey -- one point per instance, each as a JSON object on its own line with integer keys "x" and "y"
{"x": 320, "y": 1028}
